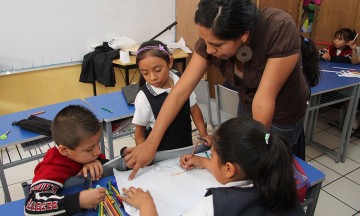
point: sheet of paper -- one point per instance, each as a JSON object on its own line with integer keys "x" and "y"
{"x": 174, "y": 190}
{"x": 180, "y": 44}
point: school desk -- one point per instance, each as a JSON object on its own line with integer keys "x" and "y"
{"x": 179, "y": 57}
{"x": 315, "y": 177}
{"x": 326, "y": 93}
{"x": 18, "y": 136}
{"x": 111, "y": 107}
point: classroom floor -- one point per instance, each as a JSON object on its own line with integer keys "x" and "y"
{"x": 340, "y": 191}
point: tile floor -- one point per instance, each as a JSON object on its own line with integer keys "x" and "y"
{"x": 340, "y": 194}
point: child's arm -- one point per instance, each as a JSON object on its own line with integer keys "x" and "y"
{"x": 95, "y": 168}
{"x": 139, "y": 134}
{"x": 355, "y": 59}
{"x": 141, "y": 200}
{"x": 199, "y": 123}
{"x": 44, "y": 198}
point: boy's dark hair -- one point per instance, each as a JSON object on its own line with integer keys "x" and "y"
{"x": 228, "y": 19}
{"x": 242, "y": 141}
{"x": 151, "y": 52}
{"x": 310, "y": 61}
{"x": 73, "y": 124}
{"x": 346, "y": 34}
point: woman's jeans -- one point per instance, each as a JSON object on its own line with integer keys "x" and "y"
{"x": 290, "y": 133}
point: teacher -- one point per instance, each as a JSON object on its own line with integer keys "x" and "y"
{"x": 258, "y": 52}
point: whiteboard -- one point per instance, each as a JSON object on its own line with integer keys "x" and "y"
{"x": 38, "y": 33}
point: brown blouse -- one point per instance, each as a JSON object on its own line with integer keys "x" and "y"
{"x": 275, "y": 35}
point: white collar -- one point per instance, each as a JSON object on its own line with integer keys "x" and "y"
{"x": 156, "y": 91}
{"x": 243, "y": 183}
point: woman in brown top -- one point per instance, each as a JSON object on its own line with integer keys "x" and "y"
{"x": 256, "y": 51}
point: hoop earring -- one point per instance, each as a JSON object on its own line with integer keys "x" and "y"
{"x": 244, "y": 54}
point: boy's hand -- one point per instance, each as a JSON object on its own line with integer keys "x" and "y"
{"x": 188, "y": 162}
{"x": 140, "y": 199}
{"x": 91, "y": 198}
{"x": 95, "y": 168}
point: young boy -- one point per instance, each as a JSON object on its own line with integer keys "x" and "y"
{"x": 76, "y": 131}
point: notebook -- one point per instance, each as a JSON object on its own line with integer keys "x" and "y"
{"x": 130, "y": 92}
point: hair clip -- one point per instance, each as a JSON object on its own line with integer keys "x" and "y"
{"x": 159, "y": 47}
{"x": 267, "y": 135}
{"x": 306, "y": 39}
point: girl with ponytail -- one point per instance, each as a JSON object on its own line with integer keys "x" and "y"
{"x": 255, "y": 168}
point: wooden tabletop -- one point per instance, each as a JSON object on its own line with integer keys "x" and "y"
{"x": 177, "y": 54}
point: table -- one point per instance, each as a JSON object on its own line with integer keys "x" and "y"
{"x": 120, "y": 109}
{"x": 315, "y": 177}
{"x": 325, "y": 94}
{"x": 179, "y": 57}
{"x": 18, "y": 135}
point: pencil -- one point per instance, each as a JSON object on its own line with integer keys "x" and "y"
{"x": 106, "y": 109}
{"x": 37, "y": 113}
{"x": 207, "y": 155}
{"x": 202, "y": 139}
{"x": 193, "y": 152}
{"x": 355, "y": 36}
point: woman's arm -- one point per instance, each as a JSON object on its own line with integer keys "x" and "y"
{"x": 277, "y": 71}
{"x": 142, "y": 155}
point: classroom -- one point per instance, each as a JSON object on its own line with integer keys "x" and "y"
{"x": 44, "y": 45}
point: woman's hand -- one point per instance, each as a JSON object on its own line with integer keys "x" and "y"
{"x": 138, "y": 157}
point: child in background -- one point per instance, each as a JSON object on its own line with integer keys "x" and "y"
{"x": 76, "y": 132}
{"x": 344, "y": 48}
{"x": 157, "y": 79}
{"x": 254, "y": 166}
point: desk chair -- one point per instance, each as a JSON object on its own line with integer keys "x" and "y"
{"x": 227, "y": 102}
{"x": 205, "y": 103}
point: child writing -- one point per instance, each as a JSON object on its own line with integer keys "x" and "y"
{"x": 76, "y": 132}
{"x": 254, "y": 166}
{"x": 157, "y": 79}
{"x": 344, "y": 48}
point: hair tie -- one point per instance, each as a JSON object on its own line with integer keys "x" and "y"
{"x": 267, "y": 135}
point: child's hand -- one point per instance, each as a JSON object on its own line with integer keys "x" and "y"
{"x": 326, "y": 55}
{"x": 188, "y": 162}
{"x": 352, "y": 44}
{"x": 91, "y": 198}
{"x": 140, "y": 199}
{"x": 208, "y": 139}
{"x": 95, "y": 168}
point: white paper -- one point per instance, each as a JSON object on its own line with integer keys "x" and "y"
{"x": 174, "y": 190}
{"x": 180, "y": 44}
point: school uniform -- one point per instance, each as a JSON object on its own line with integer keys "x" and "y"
{"x": 340, "y": 55}
{"x": 50, "y": 176}
{"x": 148, "y": 103}
{"x": 236, "y": 198}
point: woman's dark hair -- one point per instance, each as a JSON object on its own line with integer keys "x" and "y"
{"x": 310, "y": 61}
{"x": 345, "y": 33}
{"x": 228, "y": 19}
{"x": 242, "y": 141}
{"x": 152, "y": 48}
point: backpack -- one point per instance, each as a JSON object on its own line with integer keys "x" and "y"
{"x": 35, "y": 124}
{"x": 301, "y": 181}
